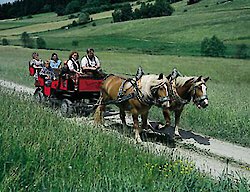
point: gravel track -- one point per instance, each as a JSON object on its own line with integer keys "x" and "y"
{"x": 209, "y": 155}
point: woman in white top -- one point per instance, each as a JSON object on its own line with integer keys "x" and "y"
{"x": 73, "y": 62}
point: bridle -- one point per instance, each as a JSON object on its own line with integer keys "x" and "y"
{"x": 197, "y": 100}
{"x": 162, "y": 99}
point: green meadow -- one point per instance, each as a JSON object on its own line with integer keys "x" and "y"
{"x": 227, "y": 116}
{"x": 40, "y": 151}
{"x": 179, "y": 34}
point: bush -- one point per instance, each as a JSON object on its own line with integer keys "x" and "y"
{"x": 5, "y": 42}
{"x": 241, "y": 52}
{"x": 190, "y": 2}
{"x": 83, "y": 18}
{"x": 212, "y": 47}
{"x": 26, "y": 40}
{"x": 29, "y": 16}
{"x": 41, "y": 44}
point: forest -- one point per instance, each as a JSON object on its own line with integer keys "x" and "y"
{"x": 22, "y": 8}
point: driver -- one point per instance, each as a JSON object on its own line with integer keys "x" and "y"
{"x": 90, "y": 62}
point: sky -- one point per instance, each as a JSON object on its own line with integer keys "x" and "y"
{"x": 5, "y": 1}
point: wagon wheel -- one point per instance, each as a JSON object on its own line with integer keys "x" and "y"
{"x": 38, "y": 96}
{"x": 66, "y": 108}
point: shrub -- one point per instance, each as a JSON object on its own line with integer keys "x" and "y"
{"x": 5, "y": 42}
{"x": 26, "y": 40}
{"x": 29, "y": 16}
{"x": 212, "y": 47}
{"x": 41, "y": 44}
{"x": 190, "y": 2}
{"x": 241, "y": 52}
{"x": 83, "y": 18}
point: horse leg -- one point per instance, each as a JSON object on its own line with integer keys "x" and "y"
{"x": 136, "y": 128}
{"x": 166, "y": 114}
{"x": 177, "y": 121}
{"x": 144, "y": 118}
{"x": 98, "y": 116}
{"x": 122, "y": 116}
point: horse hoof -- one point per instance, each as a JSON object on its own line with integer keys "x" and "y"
{"x": 138, "y": 140}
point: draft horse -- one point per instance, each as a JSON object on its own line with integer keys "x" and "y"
{"x": 134, "y": 96}
{"x": 182, "y": 91}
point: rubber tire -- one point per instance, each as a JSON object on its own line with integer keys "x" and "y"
{"x": 67, "y": 108}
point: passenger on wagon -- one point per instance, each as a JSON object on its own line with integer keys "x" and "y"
{"x": 74, "y": 68}
{"x": 91, "y": 65}
{"x": 73, "y": 63}
{"x": 36, "y": 63}
{"x": 47, "y": 73}
{"x": 55, "y": 62}
{"x": 90, "y": 61}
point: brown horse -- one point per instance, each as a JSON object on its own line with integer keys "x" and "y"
{"x": 182, "y": 91}
{"x": 135, "y": 96}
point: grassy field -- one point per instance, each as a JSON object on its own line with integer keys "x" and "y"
{"x": 40, "y": 151}
{"x": 180, "y": 34}
{"x": 227, "y": 116}
{"x": 39, "y": 155}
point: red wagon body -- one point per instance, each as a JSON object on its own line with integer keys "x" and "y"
{"x": 72, "y": 93}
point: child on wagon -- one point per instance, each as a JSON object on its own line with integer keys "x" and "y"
{"x": 36, "y": 63}
{"x": 48, "y": 73}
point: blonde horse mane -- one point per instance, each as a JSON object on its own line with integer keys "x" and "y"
{"x": 180, "y": 81}
{"x": 149, "y": 82}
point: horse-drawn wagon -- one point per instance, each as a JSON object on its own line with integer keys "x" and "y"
{"x": 73, "y": 93}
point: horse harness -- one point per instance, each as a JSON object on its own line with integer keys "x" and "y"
{"x": 174, "y": 96}
{"x": 121, "y": 97}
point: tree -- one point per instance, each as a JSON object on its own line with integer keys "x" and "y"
{"x": 83, "y": 18}
{"x": 5, "y": 42}
{"x": 125, "y": 13}
{"x": 117, "y": 15}
{"x": 40, "y": 42}
{"x": 162, "y": 8}
{"x": 26, "y": 40}
{"x": 72, "y": 7}
{"x": 212, "y": 47}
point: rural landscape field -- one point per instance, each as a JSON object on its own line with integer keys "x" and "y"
{"x": 42, "y": 151}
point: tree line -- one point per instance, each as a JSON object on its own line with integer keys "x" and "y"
{"x": 147, "y": 10}
{"x": 22, "y": 8}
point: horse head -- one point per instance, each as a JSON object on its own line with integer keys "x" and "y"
{"x": 159, "y": 91}
{"x": 199, "y": 92}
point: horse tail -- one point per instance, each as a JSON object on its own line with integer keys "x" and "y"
{"x": 98, "y": 116}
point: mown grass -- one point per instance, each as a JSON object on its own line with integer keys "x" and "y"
{"x": 40, "y": 151}
{"x": 227, "y": 116}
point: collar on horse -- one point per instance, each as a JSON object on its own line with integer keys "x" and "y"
{"x": 146, "y": 100}
{"x": 174, "y": 96}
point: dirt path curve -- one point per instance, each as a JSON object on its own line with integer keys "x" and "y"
{"x": 210, "y": 155}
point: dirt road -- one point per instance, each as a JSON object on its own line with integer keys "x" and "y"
{"x": 209, "y": 155}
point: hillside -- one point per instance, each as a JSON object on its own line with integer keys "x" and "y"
{"x": 180, "y": 34}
